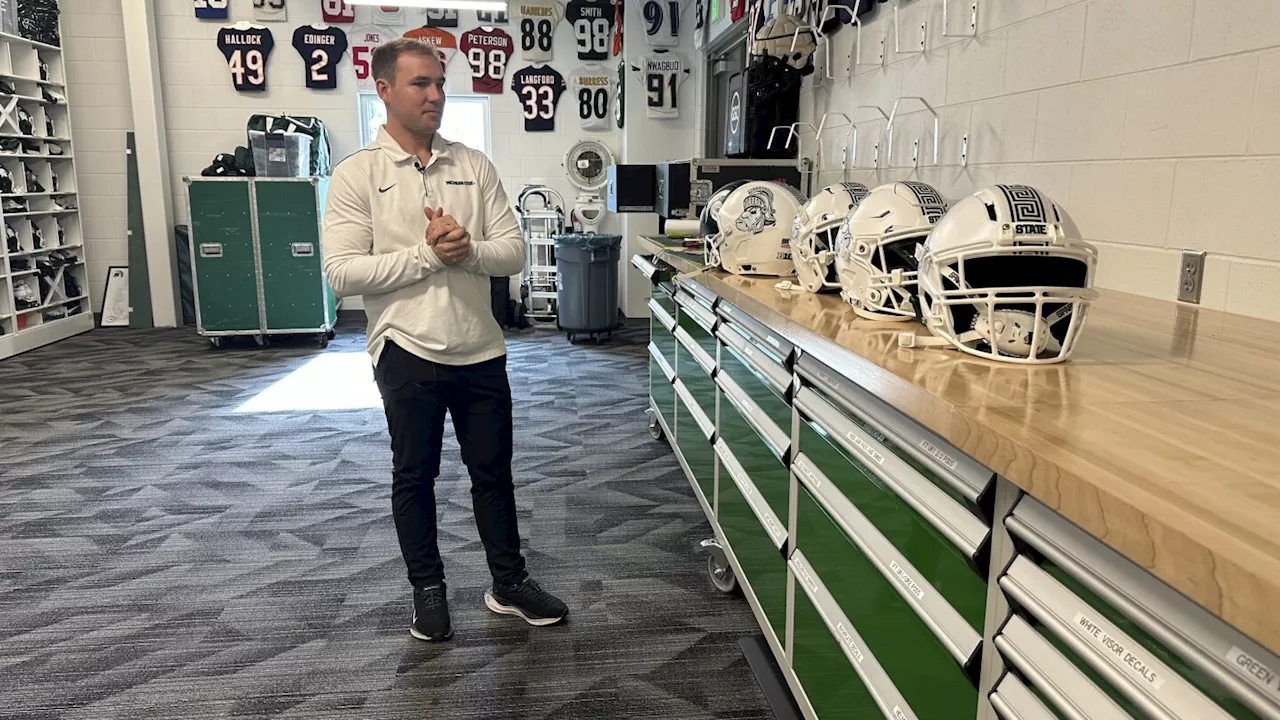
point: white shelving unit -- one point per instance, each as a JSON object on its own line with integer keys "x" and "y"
{"x": 43, "y": 280}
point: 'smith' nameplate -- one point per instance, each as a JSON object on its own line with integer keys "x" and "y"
{"x": 1130, "y": 662}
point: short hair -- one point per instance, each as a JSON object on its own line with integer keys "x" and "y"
{"x": 386, "y": 56}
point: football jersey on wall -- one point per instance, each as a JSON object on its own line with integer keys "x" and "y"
{"x": 388, "y": 15}
{"x": 246, "y": 52}
{"x": 539, "y": 90}
{"x": 489, "y": 17}
{"x": 321, "y": 50}
{"x": 592, "y": 22}
{"x": 212, "y": 9}
{"x": 538, "y": 21}
{"x": 662, "y": 22}
{"x": 487, "y": 52}
{"x": 337, "y": 11}
{"x": 663, "y": 72}
{"x": 363, "y": 42}
{"x": 270, "y": 11}
{"x": 591, "y": 88}
{"x": 442, "y": 40}
{"x": 439, "y": 17}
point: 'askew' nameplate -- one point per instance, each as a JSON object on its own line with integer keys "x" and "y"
{"x": 1130, "y": 662}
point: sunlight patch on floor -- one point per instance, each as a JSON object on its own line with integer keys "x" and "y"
{"x": 332, "y": 381}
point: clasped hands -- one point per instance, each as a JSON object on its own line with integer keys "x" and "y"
{"x": 450, "y": 241}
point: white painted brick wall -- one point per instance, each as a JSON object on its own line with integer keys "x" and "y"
{"x": 1153, "y": 122}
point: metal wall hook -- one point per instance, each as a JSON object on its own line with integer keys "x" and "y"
{"x": 822, "y": 127}
{"x": 792, "y": 134}
{"x": 893, "y": 116}
{"x": 946, "y": 20}
{"x": 818, "y": 38}
{"x": 897, "y": 35}
{"x": 829, "y": 14}
{"x": 851, "y": 137}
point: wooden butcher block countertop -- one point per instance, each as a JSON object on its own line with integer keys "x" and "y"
{"x": 1160, "y": 436}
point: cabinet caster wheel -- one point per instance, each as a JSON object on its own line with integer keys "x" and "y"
{"x": 323, "y": 340}
{"x": 216, "y": 343}
{"x": 262, "y": 340}
{"x": 331, "y": 333}
{"x": 721, "y": 573}
{"x": 655, "y": 428}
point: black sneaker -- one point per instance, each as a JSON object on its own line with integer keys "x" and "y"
{"x": 431, "y": 614}
{"x": 526, "y": 600}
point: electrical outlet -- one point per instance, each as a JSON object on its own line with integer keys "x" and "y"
{"x": 1190, "y": 276}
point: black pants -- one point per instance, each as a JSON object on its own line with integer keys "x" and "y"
{"x": 416, "y": 394}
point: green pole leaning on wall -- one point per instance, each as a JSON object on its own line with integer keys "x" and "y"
{"x": 139, "y": 277}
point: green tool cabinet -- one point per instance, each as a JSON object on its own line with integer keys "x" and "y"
{"x": 892, "y": 575}
{"x": 255, "y": 254}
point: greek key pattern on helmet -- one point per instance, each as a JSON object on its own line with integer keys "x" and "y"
{"x": 1026, "y": 203}
{"x": 857, "y": 191}
{"x": 931, "y": 202}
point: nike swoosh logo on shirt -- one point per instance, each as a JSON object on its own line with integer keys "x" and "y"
{"x": 382, "y": 190}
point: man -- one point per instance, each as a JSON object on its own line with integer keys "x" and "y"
{"x": 417, "y": 225}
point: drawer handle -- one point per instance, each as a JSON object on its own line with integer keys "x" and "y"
{"x": 704, "y": 423}
{"x": 957, "y": 524}
{"x": 210, "y": 250}
{"x": 1057, "y": 678}
{"x": 1208, "y": 644}
{"x": 779, "y": 441}
{"x": 946, "y": 624}
{"x": 663, "y": 316}
{"x": 1013, "y": 701}
{"x": 645, "y": 267}
{"x": 773, "y": 372}
{"x": 700, "y": 356}
{"x": 303, "y": 249}
{"x": 657, "y": 356}
{"x": 876, "y": 680}
{"x": 1131, "y": 668}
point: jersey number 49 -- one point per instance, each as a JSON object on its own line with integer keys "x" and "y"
{"x": 248, "y": 67}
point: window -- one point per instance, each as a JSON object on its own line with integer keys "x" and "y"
{"x": 466, "y": 119}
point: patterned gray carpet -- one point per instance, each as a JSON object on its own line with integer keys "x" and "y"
{"x": 168, "y": 550}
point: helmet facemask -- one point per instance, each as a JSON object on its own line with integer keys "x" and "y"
{"x": 880, "y": 275}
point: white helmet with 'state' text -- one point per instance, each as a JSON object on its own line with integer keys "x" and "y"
{"x": 813, "y": 239}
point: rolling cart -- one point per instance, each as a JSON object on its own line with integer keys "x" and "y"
{"x": 540, "y": 224}
{"x": 255, "y": 255}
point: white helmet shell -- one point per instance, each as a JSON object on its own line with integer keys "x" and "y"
{"x": 813, "y": 239}
{"x": 876, "y": 248}
{"x": 755, "y": 229}
{"x": 787, "y": 38}
{"x": 1005, "y": 275}
{"x": 709, "y": 221}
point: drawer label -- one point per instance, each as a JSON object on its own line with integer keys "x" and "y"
{"x": 773, "y": 342}
{"x": 849, "y": 643}
{"x": 906, "y": 580}
{"x": 774, "y": 528}
{"x": 938, "y": 452}
{"x": 898, "y": 714}
{"x": 1133, "y": 664}
{"x": 803, "y": 572}
{"x": 1246, "y": 663}
{"x": 813, "y": 479}
{"x": 865, "y": 448}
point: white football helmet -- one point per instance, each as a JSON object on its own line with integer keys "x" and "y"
{"x": 876, "y": 248}
{"x": 709, "y": 221}
{"x": 787, "y": 38}
{"x": 755, "y": 224}
{"x": 813, "y": 239}
{"x": 1005, "y": 275}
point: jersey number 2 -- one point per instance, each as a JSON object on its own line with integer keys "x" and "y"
{"x": 658, "y": 87}
{"x": 247, "y": 67}
{"x": 320, "y": 61}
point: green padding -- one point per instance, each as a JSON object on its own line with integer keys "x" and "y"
{"x": 761, "y": 562}
{"x": 931, "y": 682}
{"x": 924, "y": 547}
{"x": 227, "y": 286}
{"x": 140, "y": 315}
{"x": 297, "y": 296}
{"x": 833, "y": 687}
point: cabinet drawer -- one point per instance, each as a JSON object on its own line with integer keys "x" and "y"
{"x": 758, "y": 331}
{"x": 947, "y": 624}
{"x": 762, "y": 380}
{"x": 663, "y": 338}
{"x": 753, "y": 546}
{"x": 924, "y": 451}
{"x": 1014, "y": 701}
{"x": 940, "y": 563}
{"x": 696, "y": 378}
{"x": 699, "y": 322}
{"x": 1143, "y": 670}
{"x": 840, "y": 677}
{"x": 695, "y": 447}
{"x": 757, "y": 456}
{"x": 926, "y": 674}
{"x": 660, "y": 389}
{"x": 1211, "y": 657}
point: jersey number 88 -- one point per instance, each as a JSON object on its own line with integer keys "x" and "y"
{"x": 539, "y": 34}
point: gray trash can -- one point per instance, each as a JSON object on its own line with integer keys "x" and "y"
{"x": 587, "y": 283}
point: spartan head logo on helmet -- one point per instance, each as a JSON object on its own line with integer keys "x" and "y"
{"x": 757, "y": 211}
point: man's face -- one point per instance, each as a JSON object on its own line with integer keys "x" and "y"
{"x": 415, "y": 99}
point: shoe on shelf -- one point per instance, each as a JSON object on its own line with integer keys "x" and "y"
{"x": 526, "y": 600}
{"x": 37, "y": 237}
{"x": 14, "y": 206}
{"x": 53, "y": 149}
{"x": 11, "y": 146}
{"x": 50, "y": 130}
{"x": 6, "y": 181}
{"x": 44, "y": 71}
{"x": 72, "y": 286}
{"x": 33, "y": 185}
{"x": 431, "y": 613}
{"x": 6, "y": 88}
{"x": 64, "y": 205}
{"x": 52, "y": 97}
{"x": 19, "y": 264}
{"x": 26, "y": 123}
{"x": 24, "y": 297}
{"x": 11, "y": 237}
